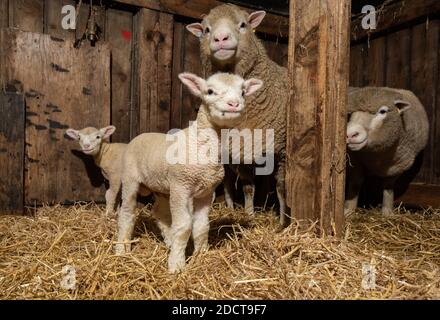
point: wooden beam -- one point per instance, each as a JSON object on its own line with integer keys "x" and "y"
{"x": 12, "y": 153}
{"x": 394, "y": 15}
{"x": 273, "y": 24}
{"x": 318, "y": 69}
{"x": 421, "y": 195}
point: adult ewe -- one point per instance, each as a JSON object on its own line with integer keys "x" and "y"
{"x": 228, "y": 44}
{"x": 387, "y": 129}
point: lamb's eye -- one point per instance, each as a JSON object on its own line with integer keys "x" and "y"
{"x": 207, "y": 30}
{"x": 243, "y": 25}
{"x": 243, "y": 93}
{"x": 98, "y": 137}
{"x": 210, "y": 92}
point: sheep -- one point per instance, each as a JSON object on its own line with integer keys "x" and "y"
{"x": 387, "y": 129}
{"x": 107, "y": 156}
{"x": 184, "y": 189}
{"x": 228, "y": 44}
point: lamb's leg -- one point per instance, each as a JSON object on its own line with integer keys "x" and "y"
{"x": 388, "y": 196}
{"x": 246, "y": 173}
{"x": 354, "y": 183}
{"x": 161, "y": 211}
{"x": 200, "y": 228}
{"x": 281, "y": 194}
{"x": 181, "y": 206}
{"x": 228, "y": 187}
{"x": 110, "y": 197}
{"x": 127, "y": 217}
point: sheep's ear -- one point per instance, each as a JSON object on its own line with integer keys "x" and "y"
{"x": 196, "y": 29}
{"x": 402, "y": 105}
{"x": 107, "y": 131}
{"x": 252, "y": 85}
{"x": 255, "y": 18}
{"x": 194, "y": 83}
{"x": 72, "y": 133}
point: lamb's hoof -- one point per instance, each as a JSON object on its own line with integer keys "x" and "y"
{"x": 387, "y": 212}
{"x": 121, "y": 249}
{"x": 176, "y": 267}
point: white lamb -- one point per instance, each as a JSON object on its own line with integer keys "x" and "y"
{"x": 183, "y": 190}
{"x": 107, "y": 156}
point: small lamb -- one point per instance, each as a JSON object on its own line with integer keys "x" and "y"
{"x": 183, "y": 190}
{"x": 387, "y": 129}
{"x": 107, "y": 156}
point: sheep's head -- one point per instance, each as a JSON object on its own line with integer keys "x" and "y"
{"x": 375, "y": 119}
{"x": 90, "y": 139}
{"x": 223, "y": 94}
{"x": 225, "y": 32}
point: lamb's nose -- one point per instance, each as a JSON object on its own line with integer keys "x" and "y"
{"x": 352, "y": 135}
{"x": 86, "y": 146}
{"x": 233, "y": 105}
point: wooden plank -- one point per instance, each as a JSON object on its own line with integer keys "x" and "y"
{"x": 375, "y": 62}
{"x": 11, "y": 153}
{"x": 4, "y": 13}
{"x": 272, "y": 24}
{"x": 434, "y": 38}
{"x": 396, "y": 14}
{"x": 64, "y": 87}
{"x": 318, "y": 69}
{"x": 398, "y": 59}
{"x": 421, "y": 195}
{"x": 178, "y": 67}
{"x": 53, "y": 19}
{"x": 83, "y": 19}
{"x": 154, "y": 67}
{"x": 357, "y": 60}
{"x": 27, "y": 15}
{"x": 119, "y": 34}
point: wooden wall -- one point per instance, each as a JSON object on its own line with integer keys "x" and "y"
{"x": 407, "y": 58}
{"x": 148, "y": 50}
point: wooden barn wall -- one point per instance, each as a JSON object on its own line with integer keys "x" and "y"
{"x": 148, "y": 51}
{"x": 407, "y": 58}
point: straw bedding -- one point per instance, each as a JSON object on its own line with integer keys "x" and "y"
{"x": 247, "y": 259}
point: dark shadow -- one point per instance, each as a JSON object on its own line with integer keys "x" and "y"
{"x": 93, "y": 171}
{"x": 403, "y": 182}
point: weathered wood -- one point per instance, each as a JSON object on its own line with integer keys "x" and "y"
{"x": 396, "y": 14}
{"x": 375, "y": 63}
{"x": 398, "y": 60}
{"x": 119, "y": 34}
{"x": 435, "y": 131}
{"x": 178, "y": 67}
{"x": 4, "y": 13}
{"x": 27, "y": 15}
{"x": 318, "y": 68}
{"x": 53, "y": 18}
{"x": 11, "y": 153}
{"x": 272, "y": 24}
{"x": 83, "y": 19}
{"x": 357, "y": 61}
{"x": 421, "y": 195}
{"x": 154, "y": 66}
{"x": 64, "y": 87}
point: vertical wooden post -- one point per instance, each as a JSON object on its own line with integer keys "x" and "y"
{"x": 318, "y": 70}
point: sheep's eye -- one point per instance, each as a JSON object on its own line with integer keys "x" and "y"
{"x": 243, "y": 25}
{"x": 383, "y": 111}
{"x": 210, "y": 92}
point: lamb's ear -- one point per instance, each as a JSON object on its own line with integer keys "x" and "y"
{"x": 255, "y": 18}
{"x": 402, "y": 105}
{"x": 196, "y": 29}
{"x": 107, "y": 131}
{"x": 72, "y": 133}
{"x": 251, "y": 85}
{"x": 194, "y": 83}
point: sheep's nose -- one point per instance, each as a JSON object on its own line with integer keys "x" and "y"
{"x": 352, "y": 135}
{"x": 222, "y": 37}
{"x": 233, "y": 105}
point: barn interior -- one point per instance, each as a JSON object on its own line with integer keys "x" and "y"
{"x": 120, "y": 66}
